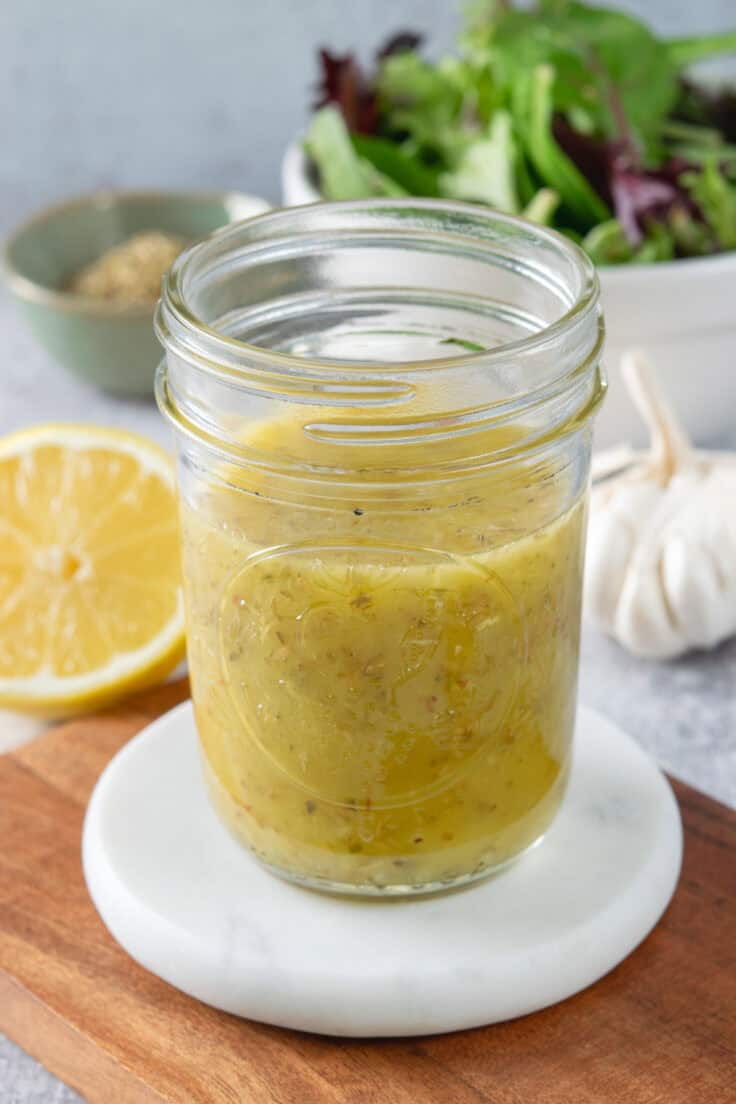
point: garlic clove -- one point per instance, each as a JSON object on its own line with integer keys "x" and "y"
{"x": 699, "y": 567}
{"x": 612, "y": 536}
{"x": 690, "y": 583}
{"x": 646, "y": 621}
{"x": 643, "y": 622}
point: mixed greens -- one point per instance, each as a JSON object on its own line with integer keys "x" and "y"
{"x": 574, "y": 116}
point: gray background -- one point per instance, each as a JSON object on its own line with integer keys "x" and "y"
{"x": 193, "y": 94}
{"x": 206, "y": 95}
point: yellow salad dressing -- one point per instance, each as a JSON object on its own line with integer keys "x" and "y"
{"x": 384, "y": 684}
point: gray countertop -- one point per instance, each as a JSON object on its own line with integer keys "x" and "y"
{"x": 684, "y": 712}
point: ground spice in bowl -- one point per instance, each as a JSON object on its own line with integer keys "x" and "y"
{"x": 129, "y": 272}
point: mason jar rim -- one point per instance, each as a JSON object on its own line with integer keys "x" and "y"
{"x": 177, "y": 324}
{"x": 559, "y": 382}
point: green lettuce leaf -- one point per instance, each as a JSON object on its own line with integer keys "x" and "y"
{"x": 542, "y": 206}
{"x": 607, "y": 243}
{"x": 394, "y": 161}
{"x": 692, "y": 237}
{"x": 486, "y": 170}
{"x": 658, "y": 245}
{"x": 686, "y": 51}
{"x": 533, "y": 111}
{"x": 343, "y": 174}
{"x": 422, "y": 104}
{"x": 716, "y": 198}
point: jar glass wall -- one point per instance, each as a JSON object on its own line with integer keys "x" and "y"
{"x": 383, "y": 415}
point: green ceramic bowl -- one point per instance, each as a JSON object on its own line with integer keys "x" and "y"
{"x": 109, "y": 345}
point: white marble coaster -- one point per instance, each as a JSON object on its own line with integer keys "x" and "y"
{"x": 191, "y": 906}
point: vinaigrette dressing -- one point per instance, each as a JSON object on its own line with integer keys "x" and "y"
{"x": 373, "y": 711}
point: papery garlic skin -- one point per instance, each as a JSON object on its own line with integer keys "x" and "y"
{"x": 661, "y": 558}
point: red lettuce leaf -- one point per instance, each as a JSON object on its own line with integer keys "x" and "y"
{"x": 591, "y": 155}
{"x": 637, "y": 196}
{"x": 640, "y": 197}
{"x": 708, "y": 107}
{"x": 399, "y": 44}
{"x": 344, "y": 83}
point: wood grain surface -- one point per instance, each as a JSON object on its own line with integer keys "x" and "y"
{"x": 659, "y": 1028}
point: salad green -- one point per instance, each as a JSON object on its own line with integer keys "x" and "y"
{"x": 578, "y": 117}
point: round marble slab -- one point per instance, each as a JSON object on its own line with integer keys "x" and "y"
{"x": 189, "y": 904}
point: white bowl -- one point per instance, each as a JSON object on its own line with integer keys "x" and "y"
{"x": 683, "y": 313}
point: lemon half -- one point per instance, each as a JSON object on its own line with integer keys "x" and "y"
{"x": 90, "y": 580}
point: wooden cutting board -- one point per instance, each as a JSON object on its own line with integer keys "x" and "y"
{"x": 660, "y": 1028}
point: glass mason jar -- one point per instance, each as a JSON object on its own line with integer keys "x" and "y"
{"x": 383, "y": 413}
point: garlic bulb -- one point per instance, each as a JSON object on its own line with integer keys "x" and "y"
{"x": 661, "y": 557}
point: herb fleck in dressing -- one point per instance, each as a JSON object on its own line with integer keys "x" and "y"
{"x": 375, "y": 713}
